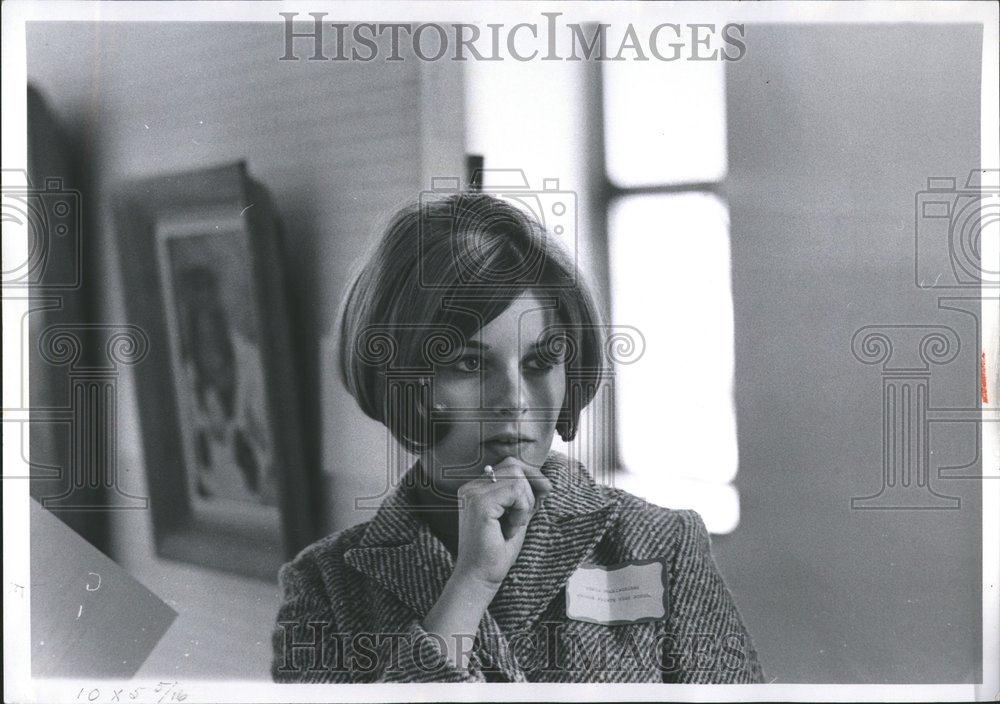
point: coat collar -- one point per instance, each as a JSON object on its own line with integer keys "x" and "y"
{"x": 400, "y": 552}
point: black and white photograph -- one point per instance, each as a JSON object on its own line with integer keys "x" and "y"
{"x": 554, "y": 351}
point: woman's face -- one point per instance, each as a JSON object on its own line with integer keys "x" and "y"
{"x": 502, "y": 397}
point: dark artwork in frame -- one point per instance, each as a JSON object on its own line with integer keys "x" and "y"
{"x": 202, "y": 270}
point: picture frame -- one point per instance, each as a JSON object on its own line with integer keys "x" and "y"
{"x": 221, "y": 424}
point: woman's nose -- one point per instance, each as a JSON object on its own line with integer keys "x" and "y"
{"x": 509, "y": 392}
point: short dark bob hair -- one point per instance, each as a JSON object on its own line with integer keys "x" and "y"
{"x": 442, "y": 270}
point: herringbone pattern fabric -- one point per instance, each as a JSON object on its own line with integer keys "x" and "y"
{"x": 354, "y": 601}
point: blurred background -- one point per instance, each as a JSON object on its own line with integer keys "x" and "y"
{"x": 746, "y": 217}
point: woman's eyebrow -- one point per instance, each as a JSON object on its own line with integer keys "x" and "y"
{"x": 537, "y": 344}
{"x": 546, "y": 341}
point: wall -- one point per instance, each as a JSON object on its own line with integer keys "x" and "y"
{"x": 832, "y": 131}
{"x": 340, "y": 146}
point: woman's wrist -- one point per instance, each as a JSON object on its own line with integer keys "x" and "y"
{"x": 456, "y": 615}
{"x": 477, "y": 590}
{"x": 462, "y": 603}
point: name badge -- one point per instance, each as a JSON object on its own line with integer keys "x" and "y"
{"x": 629, "y": 592}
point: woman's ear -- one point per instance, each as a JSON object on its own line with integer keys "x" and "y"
{"x": 566, "y": 423}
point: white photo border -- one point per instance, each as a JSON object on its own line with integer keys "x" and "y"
{"x": 19, "y": 686}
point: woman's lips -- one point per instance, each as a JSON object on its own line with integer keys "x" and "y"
{"x": 509, "y": 445}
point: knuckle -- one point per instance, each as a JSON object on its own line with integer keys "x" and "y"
{"x": 524, "y": 484}
{"x": 525, "y": 497}
{"x": 510, "y": 469}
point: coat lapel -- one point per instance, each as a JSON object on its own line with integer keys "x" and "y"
{"x": 570, "y": 523}
{"x": 402, "y": 554}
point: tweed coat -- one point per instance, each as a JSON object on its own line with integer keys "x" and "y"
{"x": 354, "y": 601}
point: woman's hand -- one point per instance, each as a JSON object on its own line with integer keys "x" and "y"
{"x": 493, "y": 519}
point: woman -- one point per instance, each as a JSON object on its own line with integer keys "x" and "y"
{"x": 470, "y": 336}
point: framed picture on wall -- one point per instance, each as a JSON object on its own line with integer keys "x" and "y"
{"x": 218, "y": 404}
{"x": 214, "y": 330}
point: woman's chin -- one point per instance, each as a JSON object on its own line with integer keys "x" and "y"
{"x": 496, "y": 452}
{"x": 458, "y": 472}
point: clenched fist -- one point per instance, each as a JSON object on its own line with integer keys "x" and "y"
{"x": 493, "y": 519}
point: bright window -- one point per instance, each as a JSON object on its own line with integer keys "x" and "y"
{"x": 665, "y": 122}
{"x": 668, "y": 235}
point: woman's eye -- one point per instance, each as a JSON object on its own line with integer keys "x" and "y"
{"x": 469, "y": 364}
{"x": 538, "y": 364}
